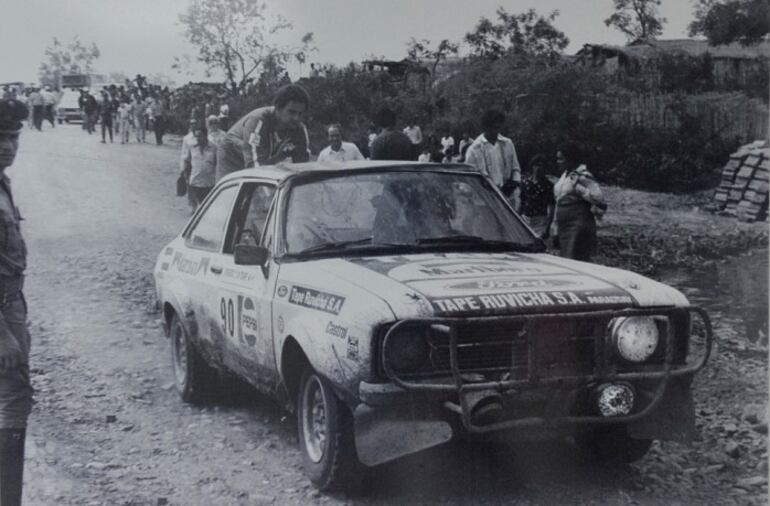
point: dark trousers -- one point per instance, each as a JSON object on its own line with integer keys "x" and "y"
{"x": 107, "y": 126}
{"x": 197, "y": 194}
{"x": 37, "y": 116}
{"x": 49, "y": 114}
{"x": 159, "y": 126}
{"x": 89, "y": 120}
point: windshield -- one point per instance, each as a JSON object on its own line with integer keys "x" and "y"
{"x": 399, "y": 208}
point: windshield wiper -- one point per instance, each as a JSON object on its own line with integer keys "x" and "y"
{"x": 342, "y": 245}
{"x": 460, "y": 239}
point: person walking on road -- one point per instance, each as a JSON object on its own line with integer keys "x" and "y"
{"x": 339, "y": 150}
{"x": 138, "y": 110}
{"x": 199, "y": 160}
{"x": 495, "y": 155}
{"x": 124, "y": 121}
{"x": 105, "y": 113}
{"x": 267, "y": 135}
{"x": 37, "y": 103}
{"x": 49, "y": 99}
{"x": 15, "y": 385}
{"x": 90, "y": 110}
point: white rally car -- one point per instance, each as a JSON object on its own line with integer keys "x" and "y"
{"x": 395, "y": 306}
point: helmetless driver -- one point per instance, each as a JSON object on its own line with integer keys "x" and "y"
{"x": 15, "y": 387}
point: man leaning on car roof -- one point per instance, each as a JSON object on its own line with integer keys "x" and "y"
{"x": 267, "y": 135}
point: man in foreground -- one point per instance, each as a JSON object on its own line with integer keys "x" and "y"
{"x": 15, "y": 386}
{"x": 267, "y": 135}
{"x": 339, "y": 150}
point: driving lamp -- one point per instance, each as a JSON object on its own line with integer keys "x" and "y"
{"x": 635, "y": 337}
{"x": 407, "y": 348}
{"x": 614, "y": 399}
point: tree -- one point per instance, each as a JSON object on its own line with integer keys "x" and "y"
{"x": 723, "y": 22}
{"x": 638, "y": 19}
{"x": 527, "y": 33}
{"x": 71, "y": 58}
{"x": 232, "y": 37}
{"x": 420, "y": 50}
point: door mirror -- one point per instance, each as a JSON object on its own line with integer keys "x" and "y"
{"x": 246, "y": 254}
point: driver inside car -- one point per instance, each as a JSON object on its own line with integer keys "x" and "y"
{"x": 256, "y": 215}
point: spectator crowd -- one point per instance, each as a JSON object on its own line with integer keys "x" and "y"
{"x": 564, "y": 209}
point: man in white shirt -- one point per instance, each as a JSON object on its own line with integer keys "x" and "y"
{"x": 338, "y": 150}
{"x": 495, "y": 155}
{"x": 414, "y": 133}
{"x": 447, "y": 146}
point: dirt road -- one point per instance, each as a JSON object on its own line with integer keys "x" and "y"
{"x": 108, "y": 427}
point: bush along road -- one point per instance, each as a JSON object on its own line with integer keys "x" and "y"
{"x": 108, "y": 426}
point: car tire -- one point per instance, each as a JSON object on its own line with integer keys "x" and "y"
{"x": 611, "y": 446}
{"x": 325, "y": 428}
{"x": 192, "y": 376}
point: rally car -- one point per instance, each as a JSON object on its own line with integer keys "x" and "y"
{"x": 395, "y": 306}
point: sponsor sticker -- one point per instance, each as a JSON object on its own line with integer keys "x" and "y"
{"x": 336, "y": 330}
{"x": 511, "y": 284}
{"x": 190, "y": 266}
{"x": 512, "y": 300}
{"x": 281, "y": 324}
{"x": 282, "y": 291}
{"x": 315, "y": 299}
{"x": 249, "y": 321}
{"x": 352, "y": 348}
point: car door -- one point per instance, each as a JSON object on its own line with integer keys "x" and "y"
{"x": 245, "y": 291}
{"x": 201, "y": 263}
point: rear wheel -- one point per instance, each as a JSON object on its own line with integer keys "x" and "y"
{"x": 191, "y": 373}
{"x": 325, "y": 427}
{"x": 611, "y": 446}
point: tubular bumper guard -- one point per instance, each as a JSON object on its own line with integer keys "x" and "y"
{"x": 461, "y": 386}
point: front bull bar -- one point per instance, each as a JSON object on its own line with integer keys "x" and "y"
{"x": 462, "y": 386}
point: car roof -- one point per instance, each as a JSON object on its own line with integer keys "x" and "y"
{"x": 281, "y": 171}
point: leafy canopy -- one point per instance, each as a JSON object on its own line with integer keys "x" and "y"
{"x": 527, "y": 33}
{"x": 233, "y": 37}
{"x": 73, "y": 57}
{"x": 637, "y": 19}
{"x": 723, "y": 22}
{"x": 417, "y": 50}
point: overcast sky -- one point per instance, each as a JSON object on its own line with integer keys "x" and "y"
{"x": 143, "y": 36}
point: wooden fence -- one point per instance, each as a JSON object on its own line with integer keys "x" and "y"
{"x": 726, "y": 116}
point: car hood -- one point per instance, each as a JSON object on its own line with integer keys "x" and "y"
{"x": 471, "y": 284}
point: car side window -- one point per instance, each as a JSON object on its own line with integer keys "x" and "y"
{"x": 247, "y": 223}
{"x": 208, "y": 233}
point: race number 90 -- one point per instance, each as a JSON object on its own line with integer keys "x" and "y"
{"x": 227, "y": 314}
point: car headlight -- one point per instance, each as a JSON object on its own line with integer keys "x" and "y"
{"x": 636, "y": 337}
{"x": 407, "y": 348}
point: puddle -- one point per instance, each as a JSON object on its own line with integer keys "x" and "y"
{"x": 733, "y": 292}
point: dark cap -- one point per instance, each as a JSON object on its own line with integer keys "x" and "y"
{"x": 12, "y": 112}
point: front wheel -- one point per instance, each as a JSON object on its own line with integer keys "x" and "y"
{"x": 611, "y": 446}
{"x": 325, "y": 427}
{"x": 191, "y": 374}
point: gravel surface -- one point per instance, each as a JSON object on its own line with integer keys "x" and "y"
{"x": 108, "y": 427}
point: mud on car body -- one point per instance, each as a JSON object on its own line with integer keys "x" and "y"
{"x": 395, "y": 306}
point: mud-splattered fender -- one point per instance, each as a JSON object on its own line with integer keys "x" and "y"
{"x": 333, "y": 322}
{"x": 172, "y": 294}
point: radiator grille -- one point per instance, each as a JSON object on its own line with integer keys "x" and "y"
{"x": 555, "y": 347}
